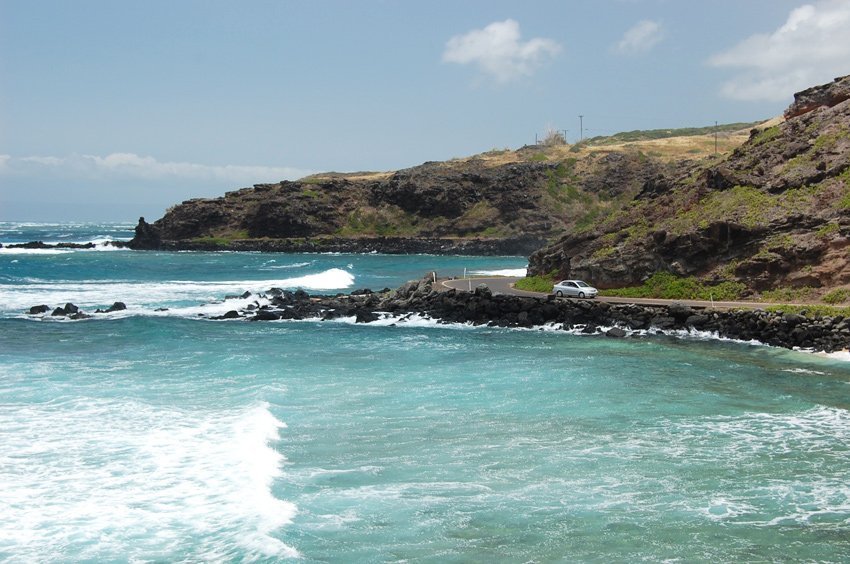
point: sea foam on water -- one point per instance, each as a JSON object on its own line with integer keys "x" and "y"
{"x": 98, "y": 478}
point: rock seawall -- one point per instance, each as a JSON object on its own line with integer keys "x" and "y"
{"x": 481, "y": 307}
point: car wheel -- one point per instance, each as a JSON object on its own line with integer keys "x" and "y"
{"x": 581, "y": 294}
{"x": 559, "y": 293}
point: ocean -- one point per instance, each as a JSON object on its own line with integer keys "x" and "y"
{"x": 155, "y": 434}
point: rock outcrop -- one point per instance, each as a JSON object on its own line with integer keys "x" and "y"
{"x": 146, "y": 237}
{"x": 822, "y": 96}
{"x": 774, "y": 213}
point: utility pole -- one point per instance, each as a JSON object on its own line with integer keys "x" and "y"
{"x": 581, "y": 127}
{"x": 715, "y": 137}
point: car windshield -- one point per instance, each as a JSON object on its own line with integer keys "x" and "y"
{"x": 582, "y": 284}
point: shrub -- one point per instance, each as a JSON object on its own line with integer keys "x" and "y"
{"x": 536, "y": 283}
{"x": 668, "y": 286}
{"x": 554, "y": 138}
{"x": 788, "y": 294}
{"x": 812, "y": 310}
{"x": 837, "y": 296}
{"x": 766, "y": 135}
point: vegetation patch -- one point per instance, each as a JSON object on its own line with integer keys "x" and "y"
{"x": 668, "y": 286}
{"x": 745, "y": 204}
{"x": 828, "y": 141}
{"x": 649, "y": 134}
{"x": 542, "y": 283}
{"x": 384, "y": 222}
{"x": 212, "y": 241}
{"x": 844, "y": 201}
{"x": 802, "y": 294}
{"x": 827, "y": 230}
{"x": 222, "y": 239}
{"x": 766, "y": 135}
{"x": 812, "y": 311}
{"x": 603, "y": 253}
{"x": 837, "y": 296}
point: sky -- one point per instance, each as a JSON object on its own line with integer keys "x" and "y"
{"x": 111, "y": 109}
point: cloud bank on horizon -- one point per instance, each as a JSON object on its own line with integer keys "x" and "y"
{"x": 130, "y": 165}
{"x": 811, "y": 47}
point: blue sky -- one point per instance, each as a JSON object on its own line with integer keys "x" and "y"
{"x": 113, "y": 109}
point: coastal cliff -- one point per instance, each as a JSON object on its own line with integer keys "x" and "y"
{"x": 499, "y": 202}
{"x": 773, "y": 213}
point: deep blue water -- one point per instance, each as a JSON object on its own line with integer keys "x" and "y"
{"x": 160, "y": 436}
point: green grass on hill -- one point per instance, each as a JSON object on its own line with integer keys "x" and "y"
{"x": 649, "y": 134}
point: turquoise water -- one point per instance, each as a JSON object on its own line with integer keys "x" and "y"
{"x": 158, "y": 436}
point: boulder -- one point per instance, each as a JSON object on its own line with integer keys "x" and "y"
{"x": 266, "y": 315}
{"x": 39, "y": 309}
{"x": 365, "y": 316}
{"x": 117, "y": 306}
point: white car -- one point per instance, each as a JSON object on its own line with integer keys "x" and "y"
{"x": 574, "y": 289}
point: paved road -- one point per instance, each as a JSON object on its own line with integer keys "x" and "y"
{"x": 505, "y": 285}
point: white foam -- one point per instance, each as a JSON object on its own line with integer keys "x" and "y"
{"x": 146, "y": 296}
{"x": 521, "y": 272}
{"x": 269, "y": 265}
{"x": 332, "y": 279}
{"x": 118, "y": 479}
{"x": 838, "y": 355}
{"x": 405, "y": 320}
{"x": 20, "y": 251}
{"x": 816, "y": 436}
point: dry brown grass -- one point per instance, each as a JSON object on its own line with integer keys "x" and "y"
{"x": 668, "y": 149}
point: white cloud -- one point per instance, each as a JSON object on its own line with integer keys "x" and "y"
{"x": 130, "y": 165}
{"x": 498, "y": 51}
{"x": 812, "y": 47}
{"x": 640, "y": 38}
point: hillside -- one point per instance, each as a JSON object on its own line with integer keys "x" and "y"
{"x": 774, "y": 213}
{"x": 499, "y": 202}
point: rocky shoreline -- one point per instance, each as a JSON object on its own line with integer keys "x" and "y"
{"x": 39, "y": 245}
{"x": 145, "y": 239}
{"x": 481, "y": 307}
{"x": 514, "y": 246}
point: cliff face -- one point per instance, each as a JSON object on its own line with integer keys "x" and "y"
{"x": 775, "y": 212}
{"x": 497, "y": 203}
